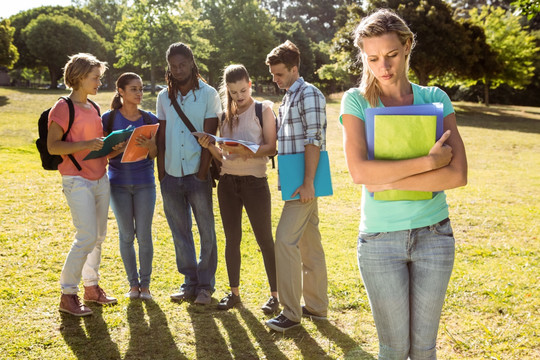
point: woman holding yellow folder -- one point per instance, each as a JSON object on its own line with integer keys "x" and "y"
{"x": 405, "y": 248}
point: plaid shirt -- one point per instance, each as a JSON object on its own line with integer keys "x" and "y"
{"x": 302, "y": 119}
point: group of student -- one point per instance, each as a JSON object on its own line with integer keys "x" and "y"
{"x": 405, "y": 248}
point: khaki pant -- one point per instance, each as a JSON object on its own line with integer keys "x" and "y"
{"x": 299, "y": 252}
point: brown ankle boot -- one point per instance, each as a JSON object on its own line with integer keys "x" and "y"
{"x": 97, "y": 294}
{"x": 69, "y": 303}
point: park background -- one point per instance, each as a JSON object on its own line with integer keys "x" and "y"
{"x": 477, "y": 53}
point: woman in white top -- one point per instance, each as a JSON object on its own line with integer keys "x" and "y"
{"x": 243, "y": 181}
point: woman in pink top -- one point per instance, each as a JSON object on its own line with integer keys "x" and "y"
{"x": 87, "y": 189}
{"x": 243, "y": 181}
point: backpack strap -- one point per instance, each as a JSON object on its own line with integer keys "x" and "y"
{"x": 95, "y": 106}
{"x": 146, "y": 117}
{"x": 258, "y": 114}
{"x": 71, "y": 120}
{"x": 112, "y": 116}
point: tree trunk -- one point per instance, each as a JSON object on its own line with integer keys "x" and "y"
{"x": 423, "y": 78}
{"x": 153, "y": 78}
{"x": 486, "y": 92}
{"x": 54, "y": 77}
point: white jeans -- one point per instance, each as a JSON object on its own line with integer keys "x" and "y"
{"x": 88, "y": 201}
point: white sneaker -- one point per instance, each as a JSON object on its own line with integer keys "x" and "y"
{"x": 132, "y": 295}
{"x": 145, "y": 295}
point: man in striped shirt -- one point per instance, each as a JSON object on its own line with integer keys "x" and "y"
{"x": 301, "y": 129}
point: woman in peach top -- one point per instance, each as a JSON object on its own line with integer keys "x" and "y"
{"x": 86, "y": 188}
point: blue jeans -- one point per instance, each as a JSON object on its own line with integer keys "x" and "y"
{"x": 180, "y": 196}
{"x": 133, "y": 207}
{"x": 406, "y": 274}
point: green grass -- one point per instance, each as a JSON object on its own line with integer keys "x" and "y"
{"x": 492, "y": 305}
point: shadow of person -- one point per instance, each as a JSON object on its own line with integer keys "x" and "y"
{"x": 349, "y": 347}
{"x": 209, "y": 343}
{"x": 4, "y": 100}
{"x": 152, "y": 339}
{"x": 260, "y": 332}
{"x": 241, "y": 344}
{"x": 93, "y": 344}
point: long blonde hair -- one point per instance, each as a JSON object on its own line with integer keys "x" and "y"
{"x": 379, "y": 23}
{"x": 231, "y": 74}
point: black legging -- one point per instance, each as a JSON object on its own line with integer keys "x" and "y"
{"x": 235, "y": 192}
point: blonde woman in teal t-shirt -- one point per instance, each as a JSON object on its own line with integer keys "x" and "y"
{"x": 405, "y": 248}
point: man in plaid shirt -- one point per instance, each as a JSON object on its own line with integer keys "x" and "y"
{"x": 301, "y": 129}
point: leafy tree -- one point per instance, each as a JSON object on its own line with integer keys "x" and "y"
{"x": 109, "y": 11}
{"x": 514, "y": 47}
{"x": 151, "y": 26}
{"x": 296, "y": 33}
{"x": 440, "y": 38}
{"x": 22, "y": 19}
{"x": 51, "y": 39}
{"x": 316, "y": 16}
{"x": 8, "y": 51}
{"x": 276, "y": 7}
{"x": 242, "y": 32}
{"x": 344, "y": 67}
{"x": 530, "y": 8}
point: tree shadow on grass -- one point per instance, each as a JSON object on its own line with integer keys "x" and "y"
{"x": 152, "y": 339}
{"x": 93, "y": 344}
{"x": 495, "y": 119}
{"x": 4, "y": 100}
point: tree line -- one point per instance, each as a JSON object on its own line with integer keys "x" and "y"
{"x": 467, "y": 46}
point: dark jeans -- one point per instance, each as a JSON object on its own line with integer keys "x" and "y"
{"x": 181, "y": 195}
{"x": 235, "y": 192}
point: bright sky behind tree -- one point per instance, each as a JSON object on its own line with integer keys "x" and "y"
{"x": 11, "y": 7}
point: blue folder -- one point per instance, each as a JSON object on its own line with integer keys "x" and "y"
{"x": 291, "y": 169}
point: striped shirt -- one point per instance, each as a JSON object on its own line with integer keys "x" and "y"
{"x": 302, "y": 118}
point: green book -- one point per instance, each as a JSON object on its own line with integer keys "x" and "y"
{"x": 110, "y": 141}
{"x": 399, "y": 137}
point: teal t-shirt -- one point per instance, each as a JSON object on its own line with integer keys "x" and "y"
{"x": 385, "y": 216}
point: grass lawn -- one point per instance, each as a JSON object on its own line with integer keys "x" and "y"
{"x": 493, "y": 301}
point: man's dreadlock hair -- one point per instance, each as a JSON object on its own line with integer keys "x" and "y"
{"x": 172, "y": 84}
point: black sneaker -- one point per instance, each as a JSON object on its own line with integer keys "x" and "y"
{"x": 228, "y": 302}
{"x": 309, "y": 314}
{"x": 281, "y": 323}
{"x": 271, "y": 306}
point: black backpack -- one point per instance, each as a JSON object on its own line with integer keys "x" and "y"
{"x": 48, "y": 161}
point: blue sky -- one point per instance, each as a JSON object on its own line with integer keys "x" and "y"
{"x": 11, "y": 7}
